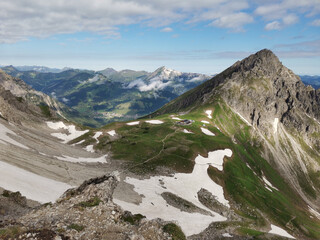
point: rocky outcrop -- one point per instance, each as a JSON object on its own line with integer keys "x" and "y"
{"x": 87, "y": 212}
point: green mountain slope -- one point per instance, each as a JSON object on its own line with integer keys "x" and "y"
{"x": 269, "y": 120}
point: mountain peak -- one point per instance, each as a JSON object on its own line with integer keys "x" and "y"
{"x": 264, "y": 61}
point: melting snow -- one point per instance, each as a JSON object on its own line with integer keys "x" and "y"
{"x": 279, "y": 231}
{"x": 112, "y": 133}
{"x": 209, "y": 112}
{"x": 268, "y": 183}
{"x": 97, "y": 135}
{"x": 73, "y": 133}
{"x": 227, "y": 235}
{"x": 314, "y": 212}
{"x": 185, "y": 186}
{"x": 31, "y": 185}
{"x": 203, "y": 121}
{"x": 214, "y": 158}
{"x": 4, "y": 138}
{"x": 133, "y": 123}
{"x": 102, "y": 159}
{"x": 82, "y": 141}
{"x": 275, "y": 125}
{"x": 176, "y": 118}
{"x": 154, "y": 121}
{"x": 207, "y": 132}
{"x": 186, "y": 131}
{"x": 89, "y": 148}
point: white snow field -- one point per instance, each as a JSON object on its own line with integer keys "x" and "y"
{"x": 215, "y": 158}
{"x": 30, "y": 185}
{"x": 154, "y": 121}
{"x": 279, "y": 231}
{"x": 186, "y": 131}
{"x": 4, "y": 138}
{"x": 73, "y": 133}
{"x": 185, "y": 186}
{"x": 112, "y": 133}
{"x": 133, "y": 123}
{"x": 209, "y": 112}
{"x": 207, "y": 132}
{"x": 102, "y": 159}
{"x": 204, "y": 121}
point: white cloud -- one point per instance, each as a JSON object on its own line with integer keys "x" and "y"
{"x": 281, "y": 13}
{"x": 275, "y": 25}
{"x": 290, "y": 19}
{"x": 167, "y": 29}
{"x": 316, "y": 23}
{"x": 21, "y": 20}
{"x": 234, "y": 21}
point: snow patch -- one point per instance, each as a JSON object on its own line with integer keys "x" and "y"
{"x": 207, "y": 132}
{"x": 82, "y": 141}
{"x": 89, "y": 148}
{"x": 269, "y": 184}
{"x": 4, "y": 138}
{"x": 275, "y": 125}
{"x": 112, "y": 133}
{"x": 185, "y": 186}
{"x": 209, "y": 112}
{"x": 30, "y": 185}
{"x": 186, "y": 131}
{"x": 154, "y": 121}
{"x": 97, "y": 135}
{"x": 227, "y": 235}
{"x": 176, "y": 118}
{"x": 314, "y": 212}
{"x": 73, "y": 133}
{"x": 102, "y": 159}
{"x": 204, "y": 121}
{"x": 133, "y": 123}
{"x": 215, "y": 158}
{"x": 279, "y": 231}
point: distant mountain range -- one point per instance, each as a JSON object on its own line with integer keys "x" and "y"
{"x": 110, "y": 95}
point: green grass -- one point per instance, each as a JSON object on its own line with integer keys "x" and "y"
{"x": 45, "y": 110}
{"x": 249, "y": 232}
{"x": 76, "y": 227}
{"x": 90, "y": 203}
{"x": 132, "y": 219}
{"x": 147, "y": 146}
{"x": 175, "y": 231}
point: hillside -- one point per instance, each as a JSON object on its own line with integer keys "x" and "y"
{"x": 237, "y": 156}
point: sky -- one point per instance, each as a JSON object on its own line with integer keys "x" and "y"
{"x": 204, "y": 36}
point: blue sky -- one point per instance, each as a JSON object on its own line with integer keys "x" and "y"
{"x": 204, "y": 36}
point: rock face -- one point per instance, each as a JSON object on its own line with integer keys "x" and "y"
{"x": 19, "y": 102}
{"x": 88, "y": 212}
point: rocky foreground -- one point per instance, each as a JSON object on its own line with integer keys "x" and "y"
{"x": 86, "y": 212}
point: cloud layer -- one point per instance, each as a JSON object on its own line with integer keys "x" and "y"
{"x": 22, "y": 19}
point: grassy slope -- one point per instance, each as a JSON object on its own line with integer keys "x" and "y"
{"x": 147, "y": 146}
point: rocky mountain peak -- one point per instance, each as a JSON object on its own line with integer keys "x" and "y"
{"x": 264, "y": 62}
